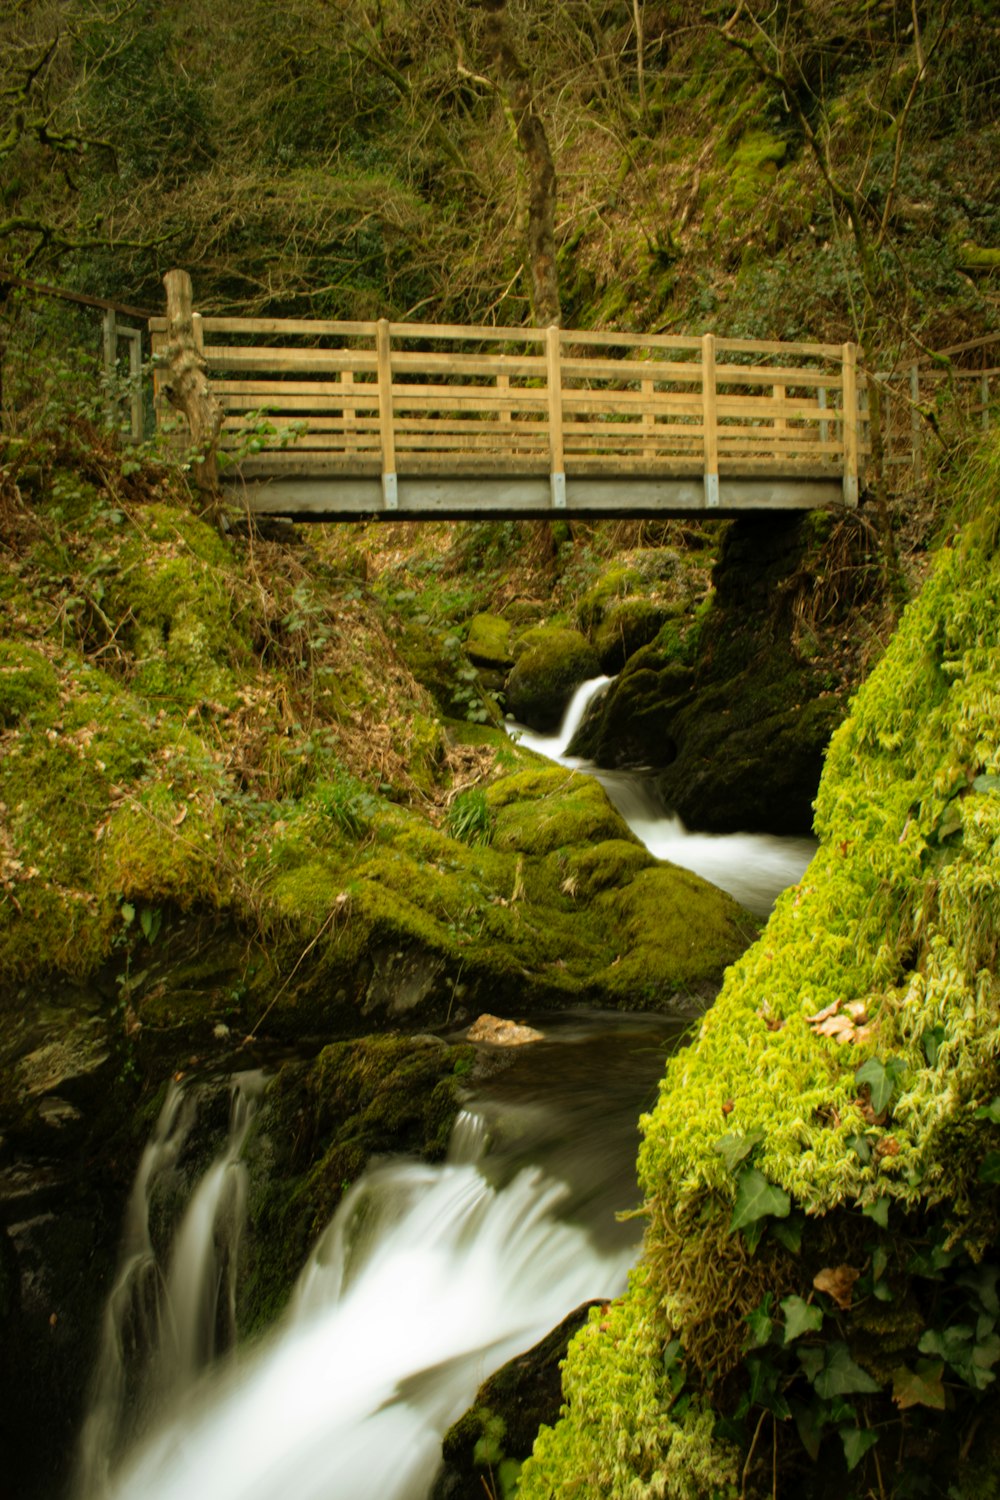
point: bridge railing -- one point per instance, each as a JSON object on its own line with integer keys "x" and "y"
{"x": 313, "y": 398}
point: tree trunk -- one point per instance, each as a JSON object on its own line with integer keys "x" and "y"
{"x": 532, "y": 138}
{"x": 185, "y": 383}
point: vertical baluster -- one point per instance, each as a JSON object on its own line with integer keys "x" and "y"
{"x": 709, "y": 416}
{"x": 850, "y": 404}
{"x": 916, "y": 429}
{"x": 557, "y": 464}
{"x": 383, "y": 357}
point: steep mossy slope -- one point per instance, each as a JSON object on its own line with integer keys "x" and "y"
{"x": 822, "y": 1170}
{"x": 228, "y": 806}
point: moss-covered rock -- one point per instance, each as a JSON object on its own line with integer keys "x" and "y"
{"x": 627, "y": 625}
{"x": 488, "y": 642}
{"x": 728, "y": 705}
{"x": 550, "y": 663}
{"x": 787, "y": 1159}
{"x": 28, "y": 683}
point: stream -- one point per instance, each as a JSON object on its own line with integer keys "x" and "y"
{"x": 753, "y": 867}
{"x": 428, "y": 1277}
{"x": 426, "y": 1280}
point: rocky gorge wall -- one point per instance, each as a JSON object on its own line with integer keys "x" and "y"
{"x": 816, "y": 1302}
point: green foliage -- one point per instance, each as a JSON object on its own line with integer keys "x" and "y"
{"x": 348, "y": 805}
{"x": 756, "y": 1198}
{"x": 894, "y": 1133}
{"x": 470, "y": 818}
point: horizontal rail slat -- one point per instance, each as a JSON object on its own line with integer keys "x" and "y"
{"x": 367, "y": 398}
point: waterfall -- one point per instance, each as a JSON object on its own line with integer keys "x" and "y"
{"x": 427, "y": 1279}
{"x": 164, "y": 1324}
{"x": 753, "y": 867}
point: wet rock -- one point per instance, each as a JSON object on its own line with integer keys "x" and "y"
{"x": 501, "y": 1033}
{"x": 736, "y": 723}
{"x": 485, "y": 1448}
{"x": 319, "y": 1125}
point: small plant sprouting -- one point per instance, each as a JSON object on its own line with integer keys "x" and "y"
{"x": 470, "y": 818}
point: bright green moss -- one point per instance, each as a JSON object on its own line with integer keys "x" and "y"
{"x": 899, "y": 910}
{"x": 538, "y": 811}
{"x": 174, "y": 584}
{"x": 488, "y": 641}
{"x": 29, "y": 685}
{"x": 617, "y": 1436}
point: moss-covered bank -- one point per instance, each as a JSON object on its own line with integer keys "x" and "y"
{"x": 821, "y": 1171}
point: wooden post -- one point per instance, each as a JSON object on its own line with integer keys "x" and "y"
{"x": 824, "y": 426}
{"x": 109, "y": 328}
{"x": 383, "y": 360}
{"x": 185, "y": 382}
{"x": 850, "y": 402}
{"x": 916, "y": 433}
{"x": 780, "y": 423}
{"x": 557, "y": 465}
{"x": 348, "y": 411}
{"x": 710, "y": 439}
{"x": 133, "y": 337}
{"x": 648, "y": 419}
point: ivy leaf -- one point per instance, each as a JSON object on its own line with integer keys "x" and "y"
{"x": 931, "y": 1042}
{"x": 127, "y": 913}
{"x": 920, "y": 1387}
{"x": 989, "y": 1168}
{"x": 788, "y": 1232}
{"x": 983, "y": 1281}
{"x": 833, "y": 1372}
{"x": 800, "y": 1317}
{"x": 987, "y": 785}
{"x": 735, "y": 1148}
{"x": 989, "y": 1112}
{"x": 878, "y": 1212}
{"x": 951, "y": 1344}
{"x": 810, "y": 1419}
{"x": 881, "y": 1080}
{"x": 761, "y": 1323}
{"x": 859, "y": 1145}
{"x": 754, "y": 1233}
{"x": 756, "y": 1198}
{"x": 857, "y": 1441}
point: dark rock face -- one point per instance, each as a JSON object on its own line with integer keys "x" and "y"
{"x": 737, "y": 731}
{"x": 485, "y": 1448}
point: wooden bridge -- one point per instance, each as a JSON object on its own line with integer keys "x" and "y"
{"x": 327, "y": 420}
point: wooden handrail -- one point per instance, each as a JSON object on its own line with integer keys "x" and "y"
{"x": 411, "y": 399}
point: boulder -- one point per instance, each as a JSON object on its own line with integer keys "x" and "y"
{"x": 488, "y": 642}
{"x": 485, "y": 1448}
{"x": 732, "y": 715}
{"x": 550, "y": 664}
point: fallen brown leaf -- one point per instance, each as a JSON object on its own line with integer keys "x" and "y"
{"x": 838, "y": 1283}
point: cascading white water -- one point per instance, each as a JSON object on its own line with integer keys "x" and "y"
{"x": 161, "y": 1328}
{"x": 753, "y": 867}
{"x": 426, "y": 1280}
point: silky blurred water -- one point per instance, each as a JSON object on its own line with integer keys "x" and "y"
{"x": 426, "y": 1280}
{"x": 753, "y": 867}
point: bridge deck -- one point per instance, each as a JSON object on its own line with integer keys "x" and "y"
{"x": 332, "y": 419}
